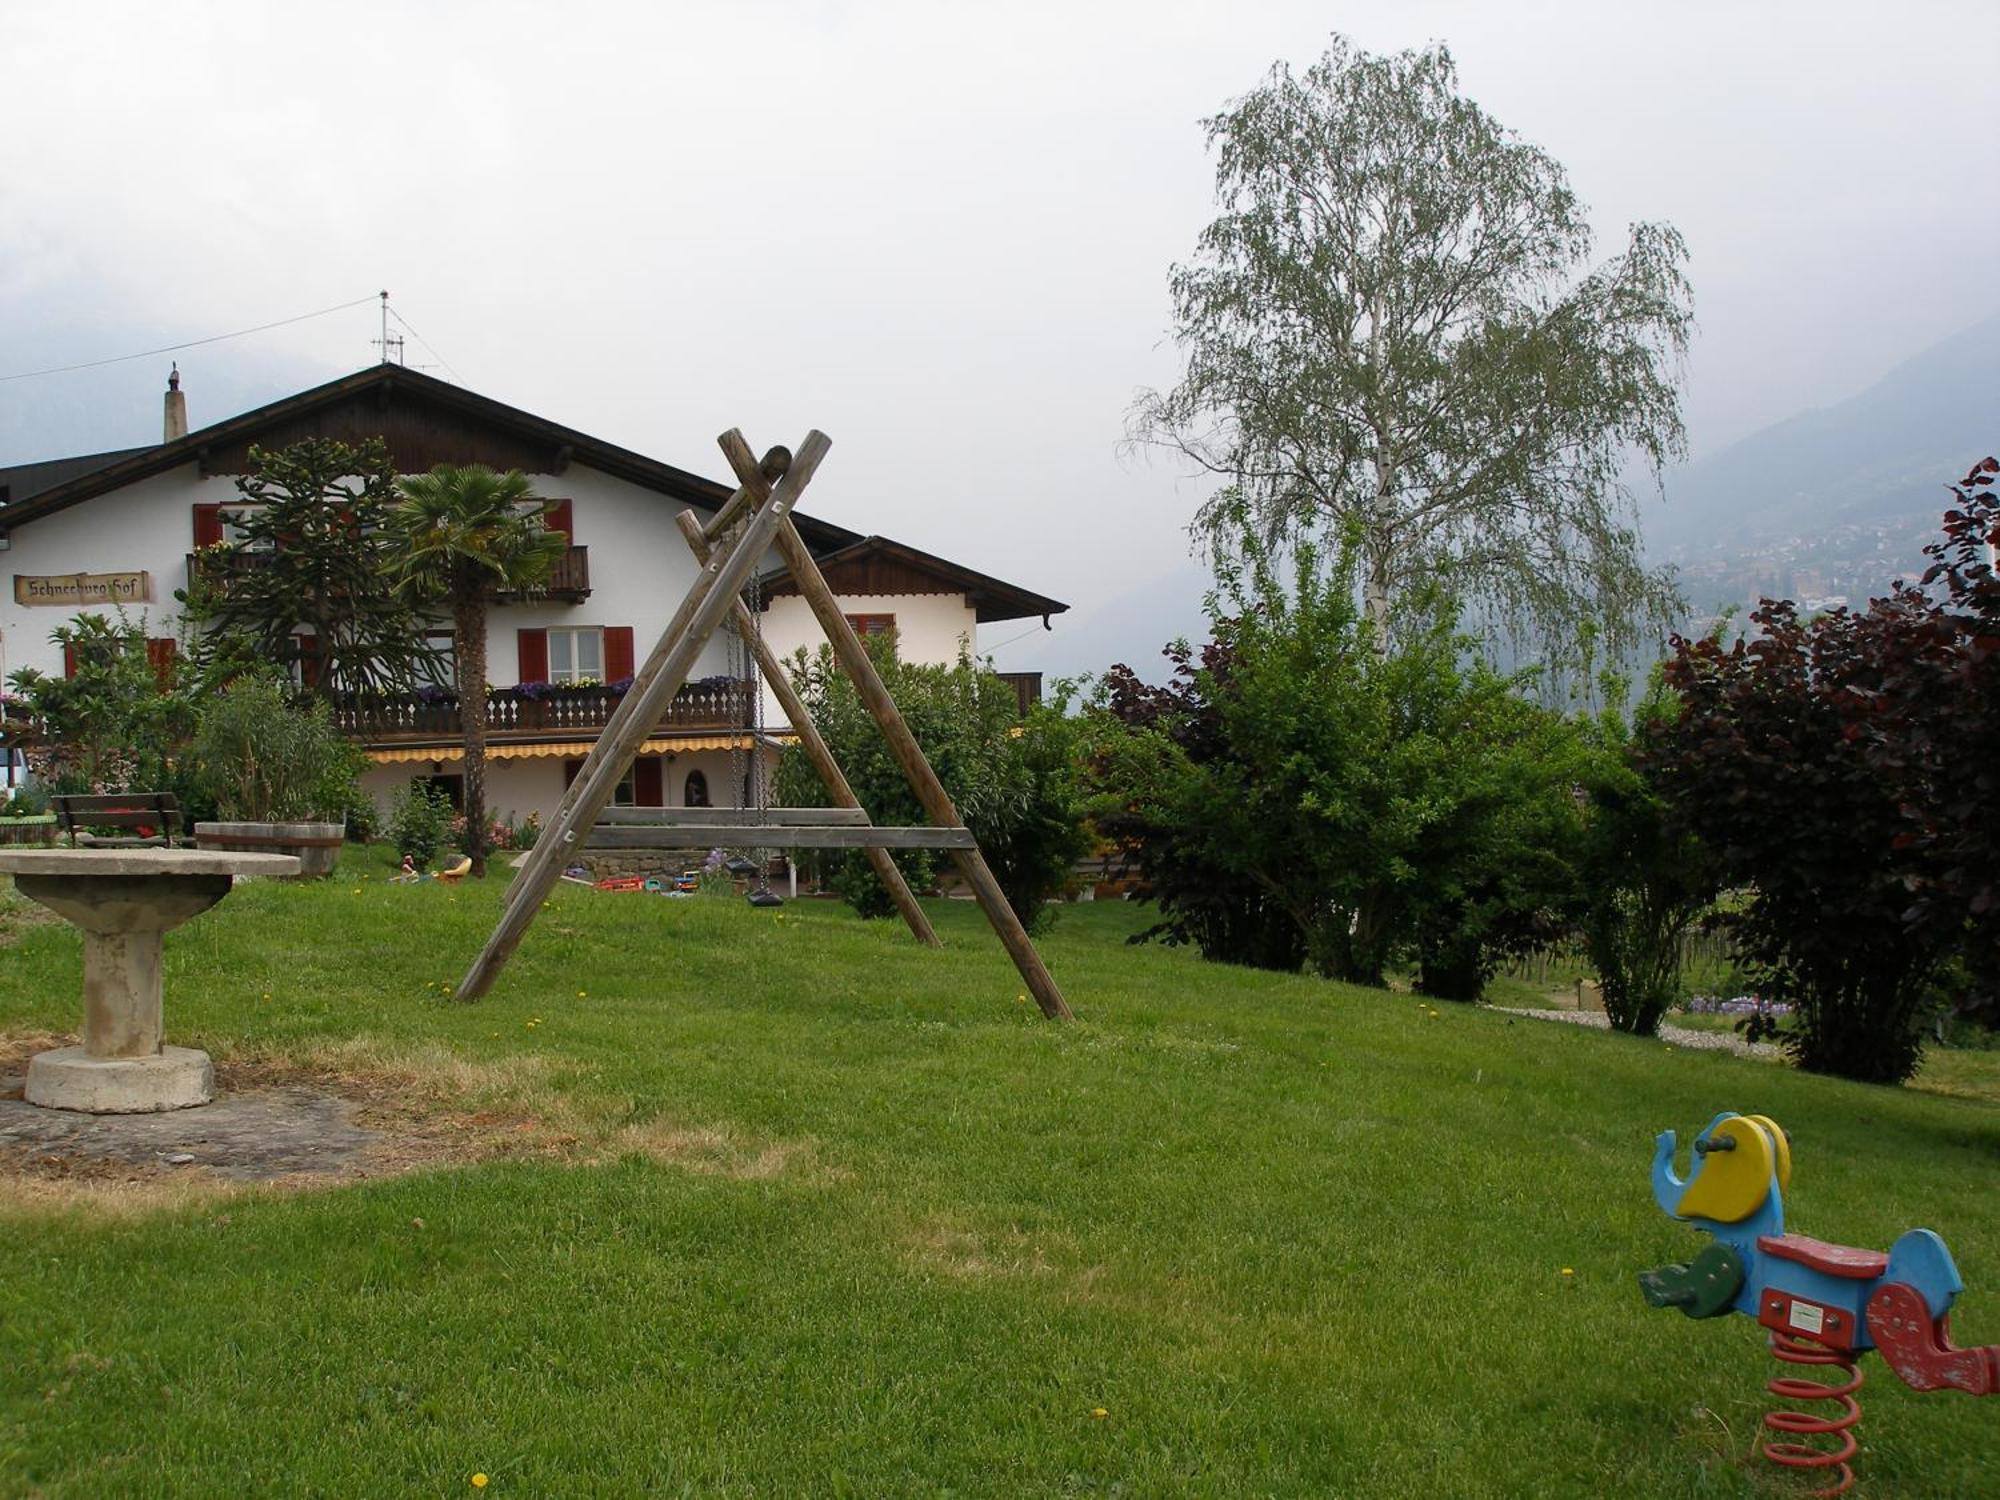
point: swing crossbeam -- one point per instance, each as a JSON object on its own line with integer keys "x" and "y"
{"x": 696, "y": 836}
{"x": 746, "y": 818}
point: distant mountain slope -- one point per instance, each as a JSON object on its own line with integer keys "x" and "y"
{"x": 1883, "y": 456}
{"x": 1833, "y": 506}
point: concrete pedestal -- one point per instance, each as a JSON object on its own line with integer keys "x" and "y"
{"x": 125, "y": 902}
{"x": 70, "y": 1078}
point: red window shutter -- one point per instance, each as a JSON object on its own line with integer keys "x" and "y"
{"x": 309, "y": 662}
{"x": 207, "y": 526}
{"x": 648, "y": 785}
{"x": 618, "y": 657}
{"x": 561, "y": 516}
{"x": 570, "y": 768}
{"x": 533, "y": 646}
{"x": 69, "y": 660}
{"x": 160, "y": 652}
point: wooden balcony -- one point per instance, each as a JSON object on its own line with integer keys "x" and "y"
{"x": 569, "y": 581}
{"x": 543, "y": 711}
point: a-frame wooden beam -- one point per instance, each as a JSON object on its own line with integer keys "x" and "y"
{"x": 715, "y": 589}
{"x": 931, "y": 795}
{"x": 810, "y": 739}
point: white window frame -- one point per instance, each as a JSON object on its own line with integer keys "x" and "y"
{"x": 571, "y": 637}
{"x": 232, "y": 534}
{"x": 442, "y": 674}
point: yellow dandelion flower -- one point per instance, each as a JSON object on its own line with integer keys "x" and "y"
{"x": 1099, "y": 1412}
{"x": 479, "y": 1481}
{"x": 1568, "y": 1271}
{"x": 583, "y": 994}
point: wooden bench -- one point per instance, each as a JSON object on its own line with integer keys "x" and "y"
{"x": 155, "y": 818}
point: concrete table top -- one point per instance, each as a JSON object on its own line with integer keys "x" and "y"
{"x": 143, "y": 862}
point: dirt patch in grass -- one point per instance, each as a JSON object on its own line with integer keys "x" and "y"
{"x": 345, "y": 1113}
{"x": 968, "y": 1255}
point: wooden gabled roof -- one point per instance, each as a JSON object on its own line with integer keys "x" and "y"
{"x": 877, "y": 565}
{"x": 21, "y": 482}
{"x": 424, "y": 420}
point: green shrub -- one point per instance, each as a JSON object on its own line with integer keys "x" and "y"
{"x": 419, "y": 821}
{"x": 267, "y": 760}
{"x": 1014, "y": 782}
{"x": 118, "y": 721}
{"x": 1399, "y": 805}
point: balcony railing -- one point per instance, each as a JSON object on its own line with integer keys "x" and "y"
{"x": 533, "y": 711}
{"x": 568, "y": 583}
{"x": 569, "y": 580}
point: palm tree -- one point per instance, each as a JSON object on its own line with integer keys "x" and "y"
{"x": 466, "y": 534}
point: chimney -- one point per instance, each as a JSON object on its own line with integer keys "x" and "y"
{"x": 177, "y": 407}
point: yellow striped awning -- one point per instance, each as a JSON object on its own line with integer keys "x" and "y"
{"x": 564, "y": 750}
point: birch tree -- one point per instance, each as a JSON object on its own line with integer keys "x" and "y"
{"x": 1395, "y": 332}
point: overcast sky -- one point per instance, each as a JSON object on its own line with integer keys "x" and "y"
{"x": 939, "y": 232}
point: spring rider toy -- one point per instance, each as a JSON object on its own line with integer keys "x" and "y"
{"x": 1825, "y": 1305}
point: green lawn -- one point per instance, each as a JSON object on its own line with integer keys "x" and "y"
{"x": 845, "y": 1216}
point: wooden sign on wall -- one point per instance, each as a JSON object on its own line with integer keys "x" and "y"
{"x": 69, "y": 590}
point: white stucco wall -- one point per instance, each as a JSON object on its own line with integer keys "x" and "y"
{"x": 640, "y": 570}
{"x": 535, "y": 785}
{"x": 640, "y": 567}
{"x": 147, "y": 527}
{"x": 930, "y": 628}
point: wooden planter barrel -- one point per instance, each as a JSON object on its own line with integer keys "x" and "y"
{"x": 35, "y": 828}
{"x": 315, "y": 845}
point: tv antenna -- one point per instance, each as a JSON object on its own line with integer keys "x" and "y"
{"x": 388, "y": 341}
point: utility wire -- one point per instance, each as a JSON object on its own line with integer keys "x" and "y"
{"x": 1013, "y": 638}
{"x": 427, "y": 344}
{"x": 93, "y": 364}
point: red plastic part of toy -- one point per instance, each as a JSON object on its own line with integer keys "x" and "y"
{"x": 1818, "y": 1255}
{"x": 1797, "y": 1424}
{"x": 1918, "y": 1346}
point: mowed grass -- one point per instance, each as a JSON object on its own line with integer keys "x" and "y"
{"x": 1289, "y": 1238}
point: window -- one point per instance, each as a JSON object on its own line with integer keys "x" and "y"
{"x": 440, "y": 671}
{"x": 576, "y": 654}
{"x": 695, "y": 793}
{"x": 867, "y": 625}
{"x": 232, "y": 531}
{"x": 626, "y": 794}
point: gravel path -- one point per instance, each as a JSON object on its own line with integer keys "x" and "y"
{"x": 1676, "y": 1036}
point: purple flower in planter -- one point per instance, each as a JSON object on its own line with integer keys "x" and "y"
{"x": 433, "y": 696}
{"x": 534, "y": 691}
{"x": 619, "y": 688}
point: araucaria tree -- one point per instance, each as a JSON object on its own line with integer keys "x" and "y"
{"x": 301, "y": 586}
{"x": 463, "y": 536}
{"x": 1395, "y": 331}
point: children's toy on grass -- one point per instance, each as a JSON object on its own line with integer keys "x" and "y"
{"x": 1825, "y": 1305}
{"x": 451, "y": 874}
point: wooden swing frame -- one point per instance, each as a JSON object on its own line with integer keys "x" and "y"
{"x": 756, "y": 517}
